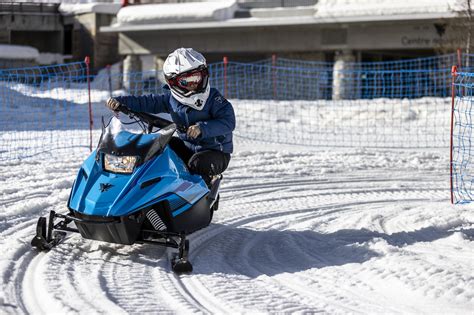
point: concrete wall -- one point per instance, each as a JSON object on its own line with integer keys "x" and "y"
{"x": 4, "y": 36}
{"x": 106, "y": 44}
{"x": 16, "y": 63}
{"x": 374, "y": 36}
{"x": 312, "y": 56}
{"x": 30, "y": 21}
{"x": 42, "y": 26}
{"x": 43, "y": 31}
{"x": 83, "y": 37}
{"x": 236, "y": 40}
{"x": 88, "y": 41}
{"x": 44, "y": 41}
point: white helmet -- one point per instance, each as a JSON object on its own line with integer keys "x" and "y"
{"x": 187, "y": 76}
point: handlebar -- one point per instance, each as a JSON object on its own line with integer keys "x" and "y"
{"x": 151, "y": 120}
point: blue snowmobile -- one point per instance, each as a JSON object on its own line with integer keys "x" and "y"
{"x": 134, "y": 189}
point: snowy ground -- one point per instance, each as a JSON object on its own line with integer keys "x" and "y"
{"x": 299, "y": 230}
{"x": 381, "y": 123}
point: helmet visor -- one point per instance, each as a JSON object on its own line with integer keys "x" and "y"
{"x": 190, "y": 82}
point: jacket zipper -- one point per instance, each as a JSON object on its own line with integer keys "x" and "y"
{"x": 219, "y": 143}
{"x": 186, "y": 117}
{"x": 187, "y": 125}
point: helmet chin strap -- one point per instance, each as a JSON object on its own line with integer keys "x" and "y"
{"x": 195, "y": 101}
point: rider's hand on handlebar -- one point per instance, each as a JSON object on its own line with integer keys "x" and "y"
{"x": 113, "y": 104}
{"x": 194, "y": 131}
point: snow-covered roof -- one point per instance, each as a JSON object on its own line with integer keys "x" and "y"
{"x": 374, "y": 8}
{"x": 265, "y": 22}
{"x": 81, "y": 8}
{"x": 152, "y": 18}
{"x": 18, "y": 52}
{"x": 177, "y": 12}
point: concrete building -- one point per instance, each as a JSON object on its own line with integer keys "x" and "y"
{"x": 32, "y": 24}
{"x": 302, "y": 29}
{"x": 82, "y": 36}
{"x": 342, "y": 32}
{"x": 243, "y": 30}
{"x": 60, "y": 32}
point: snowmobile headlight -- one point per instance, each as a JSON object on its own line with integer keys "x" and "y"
{"x": 119, "y": 164}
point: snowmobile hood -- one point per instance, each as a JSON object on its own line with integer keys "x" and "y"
{"x": 101, "y": 193}
{"x": 107, "y": 186}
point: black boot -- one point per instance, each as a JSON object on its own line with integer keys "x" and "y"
{"x": 208, "y": 180}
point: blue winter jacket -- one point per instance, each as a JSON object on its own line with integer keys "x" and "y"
{"x": 216, "y": 120}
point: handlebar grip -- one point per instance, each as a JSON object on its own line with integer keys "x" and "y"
{"x": 124, "y": 109}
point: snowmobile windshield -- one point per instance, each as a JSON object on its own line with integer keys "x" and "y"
{"x": 125, "y": 137}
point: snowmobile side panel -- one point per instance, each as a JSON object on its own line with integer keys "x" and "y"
{"x": 193, "y": 219}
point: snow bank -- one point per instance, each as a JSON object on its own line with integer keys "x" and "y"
{"x": 177, "y": 12}
{"x": 338, "y": 8}
{"x": 18, "y": 52}
{"x": 366, "y": 123}
{"x": 50, "y": 58}
{"x": 81, "y": 8}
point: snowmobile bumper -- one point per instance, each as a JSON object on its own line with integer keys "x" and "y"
{"x": 120, "y": 230}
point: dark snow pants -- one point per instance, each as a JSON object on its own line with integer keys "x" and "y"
{"x": 206, "y": 163}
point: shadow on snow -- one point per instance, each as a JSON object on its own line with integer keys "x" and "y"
{"x": 252, "y": 253}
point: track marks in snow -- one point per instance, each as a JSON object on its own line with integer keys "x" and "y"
{"x": 349, "y": 231}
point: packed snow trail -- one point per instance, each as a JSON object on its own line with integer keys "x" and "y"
{"x": 298, "y": 230}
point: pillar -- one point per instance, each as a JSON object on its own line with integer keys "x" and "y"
{"x": 132, "y": 76}
{"x": 343, "y": 82}
{"x": 159, "y": 62}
